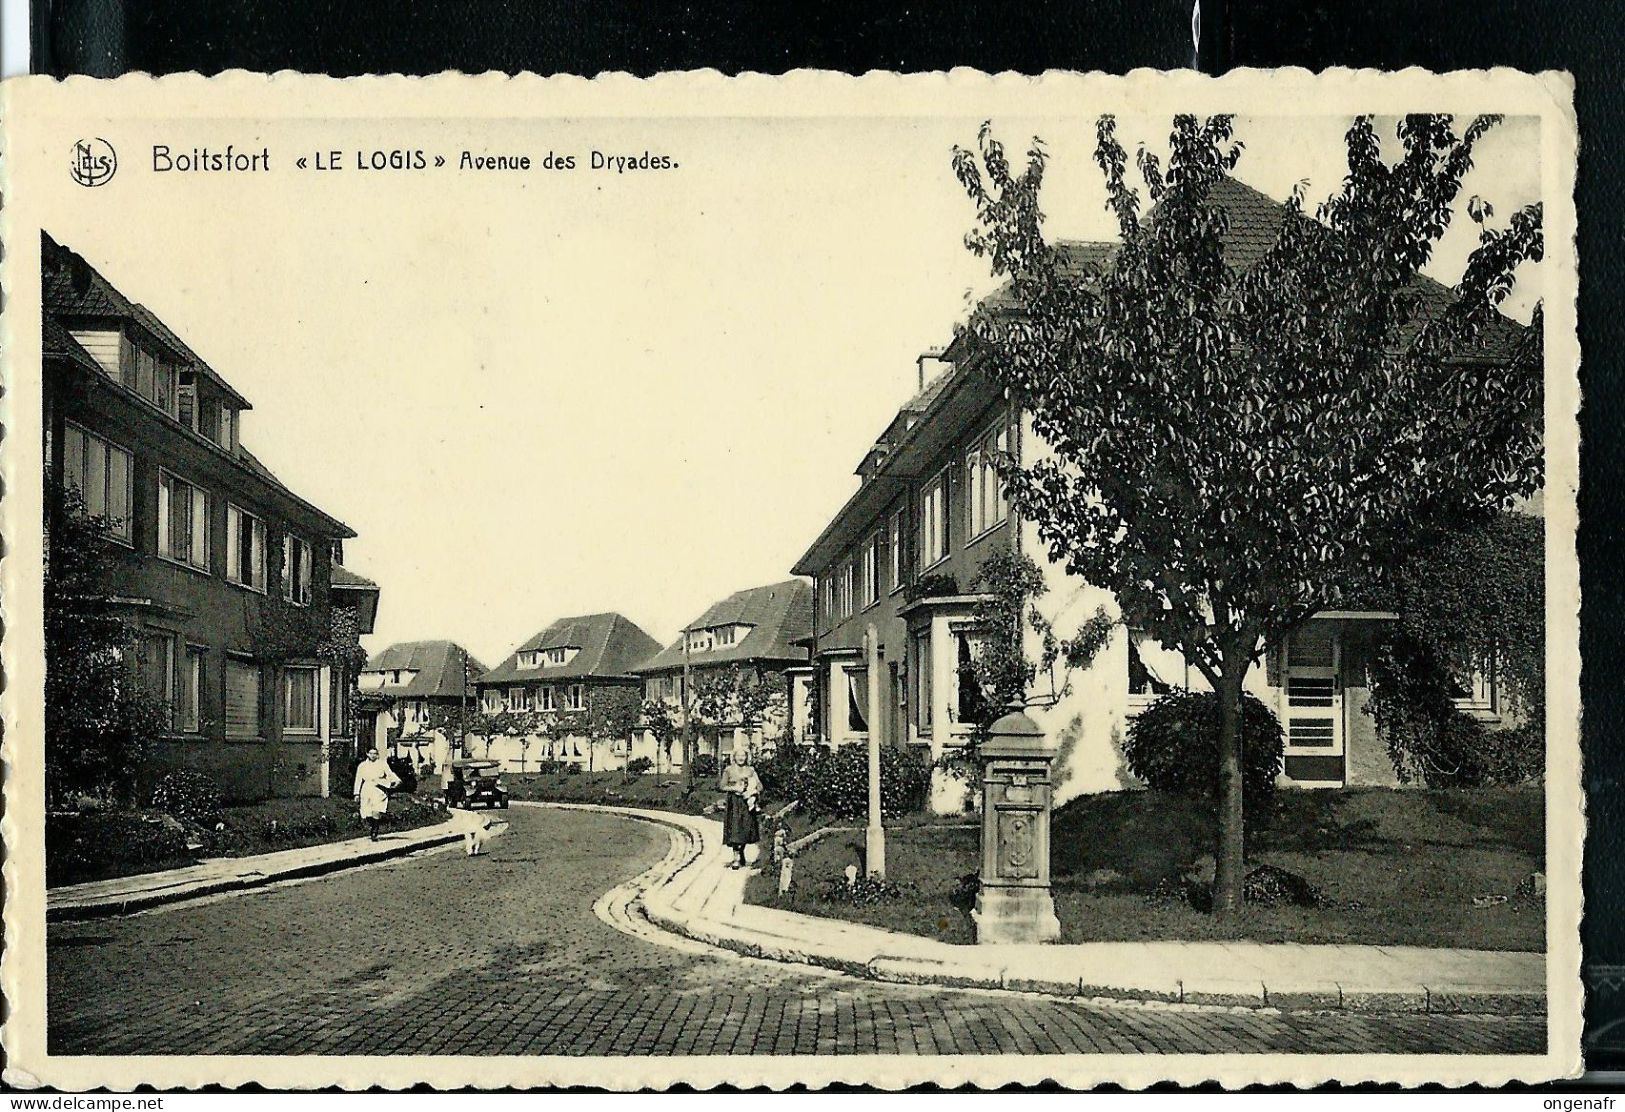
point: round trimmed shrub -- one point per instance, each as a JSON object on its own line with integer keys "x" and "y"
{"x": 1173, "y": 745}
{"x": 705, "y": 764}
{"x": 637, "y": 766}
{"x": 188, "y": 795}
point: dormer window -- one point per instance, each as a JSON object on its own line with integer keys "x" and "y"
{"x": 548, "y": 658}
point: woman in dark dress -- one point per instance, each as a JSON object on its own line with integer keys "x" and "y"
{"x": 743, "y": 790}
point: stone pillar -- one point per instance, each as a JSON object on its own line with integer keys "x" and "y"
{"x": 1014, "y": 903}
{"x": 874, "y": 851}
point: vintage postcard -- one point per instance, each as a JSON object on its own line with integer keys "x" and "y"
{"x": 939, "y": 578}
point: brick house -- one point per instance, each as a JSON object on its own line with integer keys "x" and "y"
{"x": 227, "y": 575}
{"x": 561, "y": 671}
{"x": 410, "y": 685}
{"x": 902, "y": 556}
{"x": 752, "y": 635}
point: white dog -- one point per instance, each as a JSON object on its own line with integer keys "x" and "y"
{"x": 475, "y": 828}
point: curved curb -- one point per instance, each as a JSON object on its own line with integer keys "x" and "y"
{"x": 640, "y": 907}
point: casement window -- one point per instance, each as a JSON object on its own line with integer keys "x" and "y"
{"x": 573, "y": 697}
{"x": 871, "y": 571}
{"x": 186, "y": 401}
{"x": 103, "y": 474}
{"x": 157, "y": 661}
{"x": 857, "y": 700}
{"x": 242, "y": 699}
{"x": 1149, "y": 667}
{"x": 846, "y": 592}
{"x": 966, "y": 701}
{"x": 183, "y": 521}
{"x": 546, "y": 699}
{"x": 829, "y": 596}
{"x": 519, "y": 698}
{"x": 338, "y": 699}
{"x": 1476, "y": 689}
{"x": 922, "y": 682}
{"x": 986, "y": 505}
{"x": 933, "y": 520}
{"x": 898, "y": 540}
{"x": 194, "y": 679}
{"x": 491, "y": 701}
{"x": 296, "y": 561}
{"x": 299, "y": 700}
{"x": 245, "y": 548}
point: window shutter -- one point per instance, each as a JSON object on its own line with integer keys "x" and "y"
{"x": 242, "y": 699}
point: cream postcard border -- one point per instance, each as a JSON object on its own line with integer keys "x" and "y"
{"x": 30, "y": 104}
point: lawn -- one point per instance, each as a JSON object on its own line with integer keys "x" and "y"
{"x": 97, "y": 845}
{"x": 1396, "y": 867}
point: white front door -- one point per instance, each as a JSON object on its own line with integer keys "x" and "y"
{"x": 1314, "y": 705}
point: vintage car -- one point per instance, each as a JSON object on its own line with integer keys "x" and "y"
{"x": 476, "y": 783}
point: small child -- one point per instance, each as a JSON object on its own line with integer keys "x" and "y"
{"x": 474, "y": 827}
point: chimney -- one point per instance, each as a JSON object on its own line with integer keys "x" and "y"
{"x": 933, "y": 354}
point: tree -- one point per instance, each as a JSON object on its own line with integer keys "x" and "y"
{"x": 97, "y": 720}
{"x": 611, "y": 714}
{"x": 1232, "y": 440}
{"x": 662, "y": 726}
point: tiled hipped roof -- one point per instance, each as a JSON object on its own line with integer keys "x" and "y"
{"x": 778, "y": 614}
{"x": 609, "y": 645}
{"x": 437, "y": 664}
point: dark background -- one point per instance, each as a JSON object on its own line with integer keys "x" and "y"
{"x": 106, "y": 37}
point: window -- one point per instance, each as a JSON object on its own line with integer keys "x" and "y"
{"x": 845, "y": 593}
{"x": 518, "y": 698}
{"x": 871, "y": 571}
{"x": 1475, "y": 687}
{"x": 158, "y": 671}
{"x": 296, "y": 559}
{"x": 829, "y": 596}
{"x": 299, "y": 700}
{"x": 183, "y": 521}
{"x": 491, "y": 701}
{"x": 984, "y": 492}
{"x": 934, "y": 520}
{"x": 573, "y": 697}
{"x": 242, "y": 699}
{"x": 1144, "y": 678}
{"x": 102, "y": 473}
{"x": 897, "y": 542}
{"x": 193, "y": 673}
{"x": 967, "y": 703}
{"x": 245, "y": 548}
{"x": 857, "y": 700}
{"x": 545, "y": 699}
{"x": 338, "y": 698}
{"x": 922, "y": 681}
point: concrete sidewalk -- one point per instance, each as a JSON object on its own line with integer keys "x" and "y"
{"x": 125, "y": 894}
{"x": 703, "y": 900}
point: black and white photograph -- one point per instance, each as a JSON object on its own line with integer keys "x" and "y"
{"x": 772, "y": 581}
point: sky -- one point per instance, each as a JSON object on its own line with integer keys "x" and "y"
{"x": 540, "y": 395}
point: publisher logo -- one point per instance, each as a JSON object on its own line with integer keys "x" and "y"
{"x": 94, "y": 162}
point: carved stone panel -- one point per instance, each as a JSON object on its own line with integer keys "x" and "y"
{"x": 1018, "y": 845}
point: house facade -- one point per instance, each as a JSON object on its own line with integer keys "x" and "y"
{"x": 226, "y": 575}
{"x": 896, "y": 623}
{"x": 415, "y": 690}
{"x": 567, "y": 677}
{"x": 754, "y": 638}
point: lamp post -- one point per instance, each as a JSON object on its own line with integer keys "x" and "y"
{"x": 1013, "y": 901}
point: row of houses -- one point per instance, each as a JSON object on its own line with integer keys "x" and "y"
{"x": 890, "y": 588}
{"x": 246, "y": 624}
{"x": 432, "y": 695}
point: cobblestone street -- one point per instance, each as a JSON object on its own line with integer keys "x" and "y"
{"x": 503, "y": 955}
